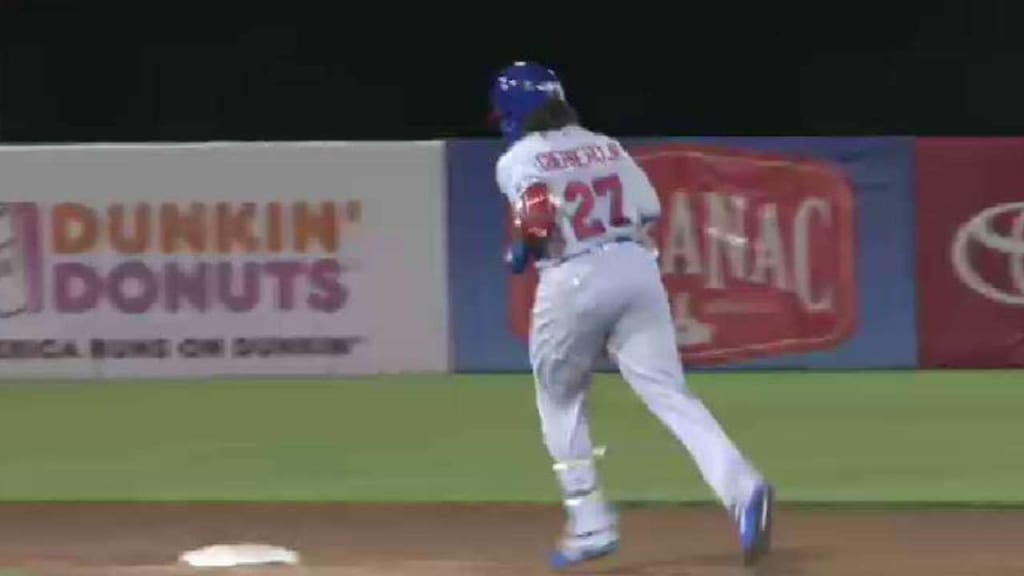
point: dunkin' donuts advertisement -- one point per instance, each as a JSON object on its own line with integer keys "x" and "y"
{"x": 235, "y": 260}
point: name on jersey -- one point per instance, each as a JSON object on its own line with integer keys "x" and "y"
{"x": 581, "y": 157}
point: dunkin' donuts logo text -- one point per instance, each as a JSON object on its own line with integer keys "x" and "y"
{"x": 141, "y": 257}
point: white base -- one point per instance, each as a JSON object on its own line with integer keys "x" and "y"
{"x": 230, "y": 555}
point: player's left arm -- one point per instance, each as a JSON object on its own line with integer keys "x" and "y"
{"x": 533, "y": 214}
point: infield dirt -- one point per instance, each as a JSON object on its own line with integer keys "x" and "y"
{"x": 450, "y": 540}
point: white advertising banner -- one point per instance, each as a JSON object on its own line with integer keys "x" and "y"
{"x": 223, "y": 259}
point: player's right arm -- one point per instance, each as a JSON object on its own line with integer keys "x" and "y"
{"x": 642, "y": 192}
{"x": 644, "y": 196}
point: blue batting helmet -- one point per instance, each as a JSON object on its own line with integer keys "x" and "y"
{"x": 519, "y": 90}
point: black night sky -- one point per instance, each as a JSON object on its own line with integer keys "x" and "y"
{"x": 180, "y": 71}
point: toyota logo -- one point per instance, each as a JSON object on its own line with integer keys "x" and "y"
{"x": 980, "y": 229}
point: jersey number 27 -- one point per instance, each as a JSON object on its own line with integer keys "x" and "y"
{"x": 585, "y": 223}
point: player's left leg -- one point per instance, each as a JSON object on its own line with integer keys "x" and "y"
{"x": 565, "y": 424}
{"x": 566, "y": 337}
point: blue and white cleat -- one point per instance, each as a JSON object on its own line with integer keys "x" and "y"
{"x": 580, "y": 549}
{"x": 755, "y": 520}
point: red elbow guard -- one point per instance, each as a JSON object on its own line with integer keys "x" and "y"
{"x": 537, "y": 214}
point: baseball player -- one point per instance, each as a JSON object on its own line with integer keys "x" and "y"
{"x": 581, "y": 207}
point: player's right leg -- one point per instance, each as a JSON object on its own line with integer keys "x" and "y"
{"x": 566, "y": 337}
{"x": 644, "y": 347}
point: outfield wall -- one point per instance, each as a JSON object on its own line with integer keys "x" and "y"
{"x": 361, "y": 258}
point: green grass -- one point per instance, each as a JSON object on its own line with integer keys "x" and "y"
{"x": 822, "y": 437}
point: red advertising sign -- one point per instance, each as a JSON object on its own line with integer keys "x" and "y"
{"x": 756, "y": 252}
{"x": 970, "y": 237}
